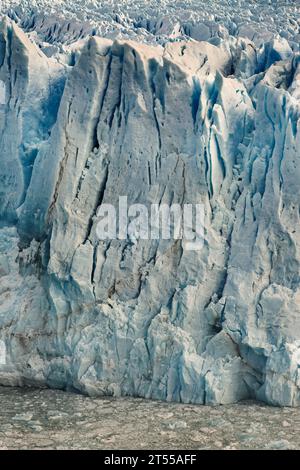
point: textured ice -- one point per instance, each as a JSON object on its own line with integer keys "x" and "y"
{"x": 85, "y": 119}
{"x": 58, "y": 21}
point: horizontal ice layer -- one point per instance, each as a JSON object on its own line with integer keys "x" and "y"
{"x": 190, "y": 122}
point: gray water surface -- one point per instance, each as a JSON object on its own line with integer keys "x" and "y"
{"x": 52, "y": 419}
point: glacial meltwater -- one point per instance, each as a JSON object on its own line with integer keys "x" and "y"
{"x": 54, "y": 419}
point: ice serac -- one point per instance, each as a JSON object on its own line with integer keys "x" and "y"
{"x": 190, "y": 122}
{"x": 30, "y": 99}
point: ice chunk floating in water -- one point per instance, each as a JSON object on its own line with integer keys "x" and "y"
{"x": 189, "y": 122}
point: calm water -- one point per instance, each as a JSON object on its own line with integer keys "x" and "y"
{"x": 51, "y": 419}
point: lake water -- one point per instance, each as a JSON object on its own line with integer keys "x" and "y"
{"x": 51, "y": 419}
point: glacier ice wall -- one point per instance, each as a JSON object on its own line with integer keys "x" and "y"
{"x": 186, "y": 122}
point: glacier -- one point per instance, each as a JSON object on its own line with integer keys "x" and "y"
{"x": 211, "y": 119}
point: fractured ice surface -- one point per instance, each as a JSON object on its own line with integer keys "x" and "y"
{"x": 183, "y": 121}
{"x": 58, "y": 22}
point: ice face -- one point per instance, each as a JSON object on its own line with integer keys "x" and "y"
{"x": 185, "y": 122}
{"x": 2, "y": 93}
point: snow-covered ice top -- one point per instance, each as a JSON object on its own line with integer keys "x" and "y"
{"x": 57, "y": 21}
